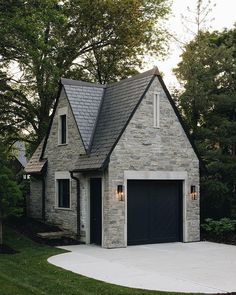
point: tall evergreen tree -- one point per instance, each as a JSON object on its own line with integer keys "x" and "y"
{"x": 208, "y": 103}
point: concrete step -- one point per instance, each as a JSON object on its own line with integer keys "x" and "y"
{"x": 54, "y": 235}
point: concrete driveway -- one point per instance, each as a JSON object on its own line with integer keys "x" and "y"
{"x": 192, "y": 267}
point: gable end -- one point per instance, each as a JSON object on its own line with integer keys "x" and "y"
{"x": 181, "y": 121}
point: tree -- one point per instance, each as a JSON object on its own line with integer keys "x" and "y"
{"x": 10, "y": 193}
{"x": 198, "y": 17}
{"x": 45, "y": 39}
{"x": 208, "y": 103}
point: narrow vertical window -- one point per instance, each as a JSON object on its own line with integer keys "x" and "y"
{"x": 63, "y": 128}
{"x": 156, "y": 110}
{"x": 63, "y": 193}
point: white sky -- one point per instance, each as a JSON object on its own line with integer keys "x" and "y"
{"x": 223, "y": 15}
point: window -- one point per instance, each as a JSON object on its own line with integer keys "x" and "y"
{"x": 156, "y": 110}
{"x": 62, "y": 126}
{"x": 63, "y": 129}
{"x": 63, "y": 192}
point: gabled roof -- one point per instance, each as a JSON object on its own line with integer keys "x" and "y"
{"x": 35, "y": 164}
{"x": 85, "y": 99}
{"x": 20, "y": 152}
{"x": 119, "y": 102}
{"x": 102, "y": 112}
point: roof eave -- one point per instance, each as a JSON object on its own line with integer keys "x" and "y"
{"x": 41, "y": 171}
{"x": 98, "y": 169}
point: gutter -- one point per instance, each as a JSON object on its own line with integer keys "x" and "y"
{"x": 78, "y": 202}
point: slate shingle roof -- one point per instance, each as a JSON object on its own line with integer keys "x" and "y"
{"x": 102, "y": 114}
{"x": 35, "y": 165}
{"x": 20, "y": 152}
{"x": 85, "y": 99}
{"x": 119, "y": 102}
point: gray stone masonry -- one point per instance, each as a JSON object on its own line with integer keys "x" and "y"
{"x": 145, "y": 148}
{"x": 141, "y": 148}
{"x": 62, "y": 158}
{"x": 35, "y": 200}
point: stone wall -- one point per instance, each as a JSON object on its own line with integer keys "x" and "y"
{"x": 63, "y": 158}
{"x": 145, "y": 148}
{"x": 34, "y": 205}
{"x": 141, "y": 148}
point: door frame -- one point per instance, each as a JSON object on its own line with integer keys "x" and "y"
{"x": 158, "y": 175}
{"x": 88, "y": 208}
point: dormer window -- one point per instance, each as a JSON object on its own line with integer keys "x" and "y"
{"x": 62, "y": 124}
{"x": 156, "y": 110}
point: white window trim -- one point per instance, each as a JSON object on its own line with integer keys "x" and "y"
{"x": 156, "y": 110}
{"x": 61, "y": 112}
{"x": 61, "y": 175}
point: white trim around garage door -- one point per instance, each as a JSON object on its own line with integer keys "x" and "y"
{"x": 158, "y": 175}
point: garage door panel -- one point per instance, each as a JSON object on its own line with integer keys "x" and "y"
{"x": 165, "y": 211}
{"x": 138, "y": 210}
{"x": 158, "y": 211}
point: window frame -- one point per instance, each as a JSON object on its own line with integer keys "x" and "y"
{"x": 61, "y": 113}
{"x": 62, "y": 175}
{"x": 156, "y": 109}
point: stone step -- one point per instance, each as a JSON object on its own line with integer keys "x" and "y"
{"x": 54, "y": 235}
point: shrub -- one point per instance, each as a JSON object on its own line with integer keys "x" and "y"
{"x": 10, "y": 193}
{"x": 220, "y": 230}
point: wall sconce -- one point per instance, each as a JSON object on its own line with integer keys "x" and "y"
{"x": 120, "y": 192}
{"x": 193, "y": 192}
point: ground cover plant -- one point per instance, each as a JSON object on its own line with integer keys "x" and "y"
{"x": 222, "y": 230}
{"x": 29, "y": 273}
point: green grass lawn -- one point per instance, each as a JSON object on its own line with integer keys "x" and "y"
{"x": 28, "y": 272}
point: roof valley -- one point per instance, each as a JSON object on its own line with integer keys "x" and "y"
{"x": 85, "y": 102}
{"x": 102, "y": 113}
{"x": 96, "y": 122}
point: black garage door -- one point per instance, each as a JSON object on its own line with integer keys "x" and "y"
{"x": 154, "y": 211}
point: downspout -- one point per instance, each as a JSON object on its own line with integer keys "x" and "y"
{"x": 43, "y": 177}
{"x": 43, "y": 197}
{"x": 78, "y": 202}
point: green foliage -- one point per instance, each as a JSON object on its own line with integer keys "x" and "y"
{"x": 221, "y": 230}
{"x": 46, "y": 39}
{"x": 29, "y": 273}
{"x": 10, "y": 193}
{"x": 208, "y": 103}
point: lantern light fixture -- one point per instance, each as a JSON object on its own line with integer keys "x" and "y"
{"x": 193, "y": 192}
{"x": 120, "y": 192}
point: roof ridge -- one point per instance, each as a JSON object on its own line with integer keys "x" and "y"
{"x": 153, "y": 72}
{"x": 65, "y": 81}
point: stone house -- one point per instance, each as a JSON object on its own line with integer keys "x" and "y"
{"x": 117, "y": 166}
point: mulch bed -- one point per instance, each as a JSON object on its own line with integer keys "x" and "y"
{"x": 207, "y": 238}
{"x": 233, "y": 243}
{"x": 4, "y": 249}
{"x": 30, "y": 227}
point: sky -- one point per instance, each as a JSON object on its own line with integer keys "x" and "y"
{"x": 223, "y": 15}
